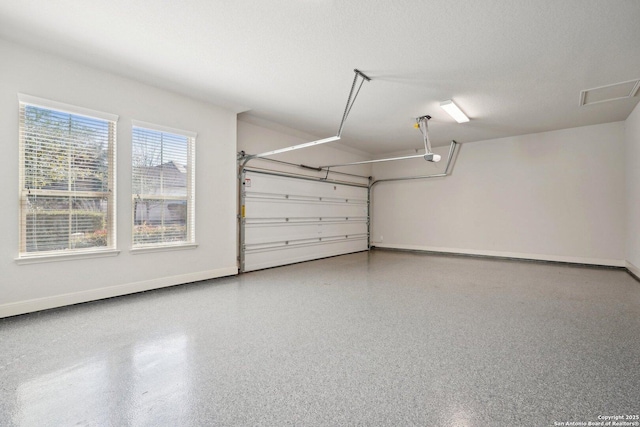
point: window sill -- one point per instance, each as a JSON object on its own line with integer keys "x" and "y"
{"x": 162, "y": 248}
{"x": 37, "y": 259}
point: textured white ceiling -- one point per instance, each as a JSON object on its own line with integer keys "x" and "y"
{"x": 513, "y": 66}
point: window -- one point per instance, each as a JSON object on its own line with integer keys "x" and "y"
{"x": 67, "y": 192}
{"x": 163, "y": 186}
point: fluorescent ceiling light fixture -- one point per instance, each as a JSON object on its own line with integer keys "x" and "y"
{"x": 454, "y": 111}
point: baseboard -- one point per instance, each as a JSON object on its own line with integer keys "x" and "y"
{"x": 29, "y": 306}
{"x": 633, "y": 270}
{"x": 512, "y": 255}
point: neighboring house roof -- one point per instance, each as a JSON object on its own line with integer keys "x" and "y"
{"x": 178, "y": 166}
{"x": 172, "y": 175}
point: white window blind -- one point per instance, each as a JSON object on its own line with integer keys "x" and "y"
{"x": 163, "y": 186}
{"x": 67, "y": 191}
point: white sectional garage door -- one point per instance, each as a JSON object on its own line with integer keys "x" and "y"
{"x": 287, "y": 219}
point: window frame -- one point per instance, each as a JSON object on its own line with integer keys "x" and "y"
{"x": 109, "y": 249}
{"x": 190, "y": 242}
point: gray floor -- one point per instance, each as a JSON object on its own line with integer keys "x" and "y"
{"x": 380, "y": 338}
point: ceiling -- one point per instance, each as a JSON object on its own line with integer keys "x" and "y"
{"x": 515, "y": 67}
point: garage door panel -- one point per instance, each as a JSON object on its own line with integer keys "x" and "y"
{"x": 263, "y": 232}
{"x": 258, "y": 258}
{"x": 284, "y": 209}
{"x": 267, "y": 184}
{"x": 287, "y": 219}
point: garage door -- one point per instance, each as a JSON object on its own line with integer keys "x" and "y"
{"x": 287, "y": 219}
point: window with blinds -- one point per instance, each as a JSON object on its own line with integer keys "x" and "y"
{"x": 163, "y": 189}
{"x": 67, "y": 192}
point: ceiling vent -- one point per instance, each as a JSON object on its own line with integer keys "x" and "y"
{"x": 608, "y": 93}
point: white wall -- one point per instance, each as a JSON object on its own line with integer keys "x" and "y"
{"x": 36, "y": 286}
{"x": 632, "y": 156}
{"x": 555, "y": 196}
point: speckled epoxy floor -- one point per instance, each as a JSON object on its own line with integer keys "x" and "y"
{"x": 380, "y": 338}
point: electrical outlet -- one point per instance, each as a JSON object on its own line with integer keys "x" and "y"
{"x": 381, "y": 238}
